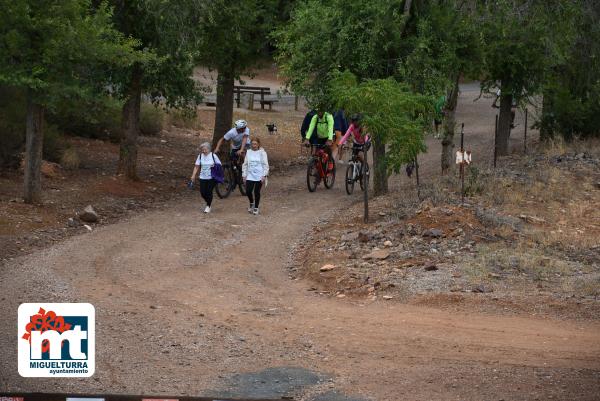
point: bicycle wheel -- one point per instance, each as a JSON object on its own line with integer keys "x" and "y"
{"x": 240, "y": 182}
{"x": 349, "y": 178}
{"x": 330, "y": 177}
{"x": 364, "y": 179}
{"x": 312, "y": 175}
{"x": 224, "y": 189}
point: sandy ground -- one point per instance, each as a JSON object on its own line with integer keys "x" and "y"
{"x": 195, "y": 304}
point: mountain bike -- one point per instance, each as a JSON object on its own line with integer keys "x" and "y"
{"x": 356, "y": 170}
{"x": 318, "y": 168}
{"x": 233, "y": 177}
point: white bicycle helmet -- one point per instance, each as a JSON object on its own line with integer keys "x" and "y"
{"x": 239, "y": 124}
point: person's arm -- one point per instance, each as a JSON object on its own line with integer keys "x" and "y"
{"x": 219, "y": 145}
{"x": 311, "y": 127}
{"x": 196, "y": 168}
{"x": 265, "y": 163}
{"x": 346, "y": 135}
{"x": 245, "y": 167}
{"x": 244, "y": 141}
{"x": 330, "y": 127}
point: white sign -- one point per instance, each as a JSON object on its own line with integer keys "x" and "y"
{"x": 56, "y": 340}
{"x": 463, "y": 157}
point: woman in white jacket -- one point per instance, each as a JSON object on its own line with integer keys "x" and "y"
{"x": 255, "y": 171}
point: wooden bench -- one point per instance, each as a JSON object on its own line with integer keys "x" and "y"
{"x": 257, "y": 90}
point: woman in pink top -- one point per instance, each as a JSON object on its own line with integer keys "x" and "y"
{"x": 359, "y": 138}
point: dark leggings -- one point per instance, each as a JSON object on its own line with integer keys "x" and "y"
{"x": 206, "y": 190}
{"x": 253, "y": 186}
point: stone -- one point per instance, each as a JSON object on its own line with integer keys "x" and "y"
{"x": 430, "y": 267}
{"x": 433, "y": 233}
{"x": 87, "y": 227}
{"x": 387, "y": 243}
{"x": 350, "y": 237}
{"x": 363, "y": 237}
{"x": 481, "y": 289}
{"x": 326, "y": 268}
{"x": 387, "y": 297}
{"x": 88, "y": 215}
{"x": 379, "y": 254}
{"x": 73, "y": 222}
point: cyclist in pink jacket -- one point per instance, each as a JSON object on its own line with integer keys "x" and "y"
{"x": 359, "y": 137}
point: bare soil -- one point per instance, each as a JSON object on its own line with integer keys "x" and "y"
{"x": 196, "y": 304}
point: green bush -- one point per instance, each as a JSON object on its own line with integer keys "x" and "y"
{"x": 184, "y": 118}
{"x": 99, "y": 118}
{"x": 54, "y": 144}
{"x": 69, "y": 159}
{"x": 12, "y": 126}
{"x": 151, "y": 120}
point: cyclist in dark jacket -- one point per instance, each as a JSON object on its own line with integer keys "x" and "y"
{"x": 306, "y": 123}
{"x": 340, "y": 126}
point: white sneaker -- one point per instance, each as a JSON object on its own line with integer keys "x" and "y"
{"x": 340, "y": 161}
{"x": 207, "y": 209}
{"x": 251, "y": 208}
{"x": 255, "y": 211}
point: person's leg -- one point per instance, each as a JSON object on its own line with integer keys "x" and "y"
{"x": 210, "y": 186}
{"x": 204, "y": 190}
{"x": 249, "y": 188}
{"x": 257, "y": 187}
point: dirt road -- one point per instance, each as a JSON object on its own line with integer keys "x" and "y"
{"x": 196, "y": 304}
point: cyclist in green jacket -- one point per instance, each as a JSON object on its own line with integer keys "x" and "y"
{"x": 322, "y": 122}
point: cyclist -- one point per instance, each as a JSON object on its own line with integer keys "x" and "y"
{"x": 359, "y": 137}
{"x": 322, "y": 122}
{"x": 239, "y": 137}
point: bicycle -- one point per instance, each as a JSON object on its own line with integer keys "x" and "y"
{"x": 356, "y": 170}
{"x": 233, "y": 178}
{"x": 318, "y": 168}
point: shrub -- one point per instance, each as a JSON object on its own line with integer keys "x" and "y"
{"x": 12, "y": 126}
{"x": 54, "y": 144}
{"x": 70, "y": 159}
{"x": 151, "y": 120}
{"x": 184, "y": 118}
{"x": 99, "y": 118}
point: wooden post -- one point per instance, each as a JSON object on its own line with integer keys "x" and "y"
{"x": 496, "y": 141}
{"x": 462, "y": 164}
{"x": 417, "y": 176}
{"x": 525, "y": 134}
{"x": 365, "y": 177}
{"x": 296, "y": 102}
{"x": 251, "y": 101}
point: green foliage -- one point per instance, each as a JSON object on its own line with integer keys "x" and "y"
{"x": 96, "y": 117}
{"x": 52, "y": 47}
{"x": 232, "y": 34}
{"x": 522, "y": 41}
{"x": 392, "y": 114}
{"x": 54, "y": 144}
{"x": 169, "y": 38}
{"x": 443, "y": 42}
{"x": 572, "y": 91}
{"x": 151, "y": 120}
{"x": 321, "y": 37}
{"x": 12, "y": 126}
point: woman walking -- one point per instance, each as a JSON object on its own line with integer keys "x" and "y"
{"x": 255, "y": 171}
{"x": 204, "y": 163}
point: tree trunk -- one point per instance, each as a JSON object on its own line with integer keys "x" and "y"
{"x": 449, "y": 127}
{"x": 504, "y": 121}
{"x": 380, "y": 174}
{"x": 130, "y": 126}
{"x": 224, "y": 112}
{"x": 33, "y": 150}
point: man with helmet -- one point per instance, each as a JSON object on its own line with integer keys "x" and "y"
{"x": 239, "y": 136}
{"x": 321, "y": 124}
